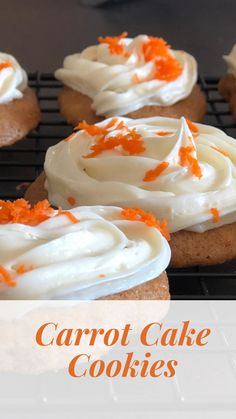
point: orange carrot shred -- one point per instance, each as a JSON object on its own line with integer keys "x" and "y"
{"x": 138, "y": 214}
{"x": 167, "y": 67}
{"x": 22, "y": 269}
{"x": 20, "y": 211}
{"x": 183, "y": 154}
{"x": 128, "y": 139}
{"x": 225, "y": 153}
{"x": 91, "y": 129}
{"x": 71, "y": 200}
{"x": 187, "y": 160}
{"x": 6, "y": 277}
{"x": 164, "y": 133}
{"x": 95, "y": 129}
{"x": 113, "y": 42}
{"x": 5, "y": 64}
{"x": 152, "y": 174}
{"x": 69, "y": 215}
{"x": 215, "y": 215}
{"x": 155, "y": 48}
{"x": 193, "y": 127}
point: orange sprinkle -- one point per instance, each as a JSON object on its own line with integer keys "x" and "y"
{"x": 102, "y": 276}
{"x": 187, "y": 160}
{"x": 6, "y": 277}
{"x": 70, "y": 137}
{"x": 5, "y": 64}
{"x": 95, "y": 129}
{"x": 22, "y": 269}
{"x": 193, "y": 127}
{"x": 71, "y": 200}
{"x": 20, "y": 211}
{"x": 130, "y": 141}
{"x": 225, "y": 153}
{"x": 167, "y": 67}
{"x": 91, "y": 129}
{"x": 114, "y": 44}
{"x": 69, "y": 215}
{"x": 183, "y": 154}
{"x": 164, "y": 133}
{"x": 138, "y": 214}
{"x": 152, "y": 174}
{"x": 155, "y": 48}
{"x": 215, "y": 215}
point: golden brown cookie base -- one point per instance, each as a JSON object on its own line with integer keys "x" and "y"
{"x": 157, "y": 289}
{"x": 18, "y": 118}
{"x": 209, "y": 248}
{"x": 227, "y": 89}
{"x": 193, "y": 108}
{"x": 75, "y": 107}
{"x": 188, "y": 248}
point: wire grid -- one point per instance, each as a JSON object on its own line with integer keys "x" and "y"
{"x": 22, "y": 163}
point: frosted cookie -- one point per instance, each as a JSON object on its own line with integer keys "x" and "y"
{"x": 19, "y": 108}
{"x": 175, "y": 169}
{"x": 85, "y": 253}
{"x": 227, "y": 85}
{"x": 137, "y": 78}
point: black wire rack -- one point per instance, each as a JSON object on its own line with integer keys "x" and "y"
{"x": 21, "y": 163}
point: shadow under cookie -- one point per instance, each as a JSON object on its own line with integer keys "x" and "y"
{"x": 76, "y": 107}
{"x": 227, "y": 89}
{"x": 187, "y": 248}
{"x": 18, "y": 118}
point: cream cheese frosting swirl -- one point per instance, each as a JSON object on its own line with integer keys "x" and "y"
{"x": 199, "y": 173}
{"x": 231, "y": 61}
{"x": 13, "y": 79}
{"x": 100, "y": 255}
{"x": 122, "y": 83}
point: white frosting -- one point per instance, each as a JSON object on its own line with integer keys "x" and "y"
{"x": 69, "y": 260}
{"x": 113, "y": 178}
{"x": 231, "y": 61}
{"x": 13, "y": 79}
{"x": 108, "y": 78}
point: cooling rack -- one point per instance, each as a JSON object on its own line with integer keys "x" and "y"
{"x": 22, "y": 163}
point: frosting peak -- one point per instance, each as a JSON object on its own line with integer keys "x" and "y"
{"x": 13, "y": 79}
{"x": 122, "y": 74}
